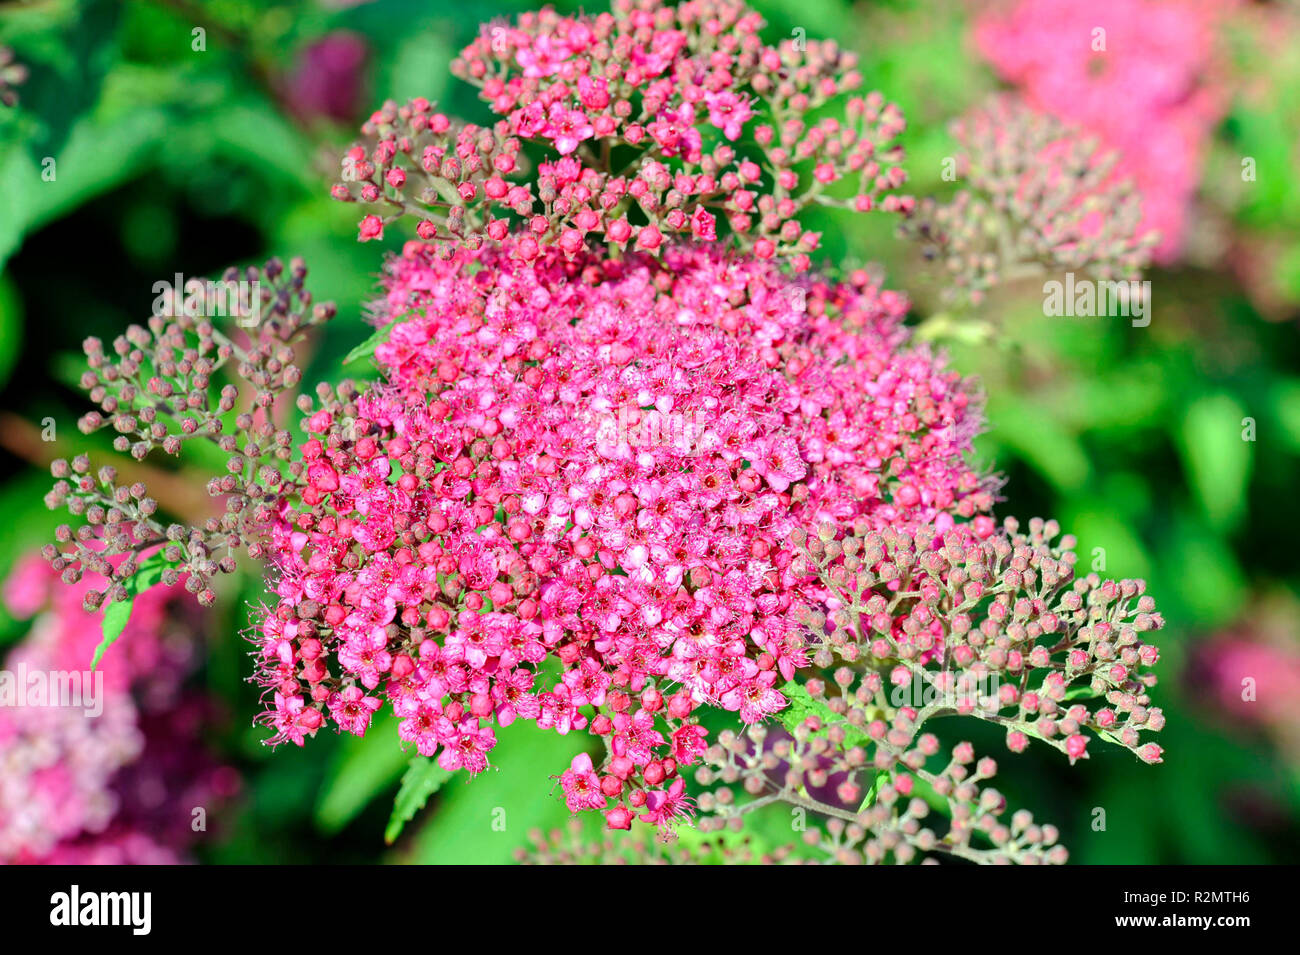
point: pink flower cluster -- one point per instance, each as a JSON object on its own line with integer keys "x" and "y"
{"x": 655, "y": 120}
{"x": 116, "y": 788}
{"x": 482, "y": 540}
{"x": 1136, "y": 73}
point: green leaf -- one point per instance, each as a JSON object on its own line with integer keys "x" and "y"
{"x": 1285, "y": 399}
{"x": 802, "y": 706}
{"x": 149, "y": 573}
{"x": 1038, "y": 438}
{"x": 1107, "y": 542}
{"x": 423, "y": 778}
{"x": 364, "y": 767}
{"x": 1217, "y": 454}
{"x": 1205, "y": 573}
{"x": 1082, "y": 692}
{"x": 482, "y": 821}
{"x": 367, "y": 347}
{"x": 116, "y": 616}
{"x": 881, "y": 778}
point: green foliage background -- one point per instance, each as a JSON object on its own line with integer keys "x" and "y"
{"x": 171, "y": 160}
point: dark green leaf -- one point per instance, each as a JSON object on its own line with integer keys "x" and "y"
{"x": 423, "y": 778}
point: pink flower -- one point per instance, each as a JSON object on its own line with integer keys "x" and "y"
{"x": 729, "y": 112}
{"x": 704, "y": 225}
{"x": 581, "y": 785}
{"x": 663, "y": 807}
{"x": 650, "y": 81}
{"x": 620, "y": 817}
{"x": 777, "y": 459}
{"x": 465, "y": 746}
{"x": 689, "y": 743}
{"x": 421, "y": 728}
{"x": 108, "y": 781}
{"x": 568, "y": 127}
{"x": 1077, "y": 60}
{"x": 619, "y": 564}
{"x": 352, "y": 709}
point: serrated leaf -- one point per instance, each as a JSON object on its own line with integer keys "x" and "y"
{"x": 481, "y": 822}
{"x": 422, "y": 779}
{"x": 802, "y": 706}
{"x": 367, "y": 347}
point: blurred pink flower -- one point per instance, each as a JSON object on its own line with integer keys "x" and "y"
{"x": 117, "y": 787}
{"x": 1255, "y": 681}
{"x": 1140, "y": 74}
{"x": 1251, "y": 672}
{"x": 328, "y": 81}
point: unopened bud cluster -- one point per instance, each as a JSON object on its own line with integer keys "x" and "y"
{"x": 155, "y": 389}
{"x": 1039, "y": 199}
{"x": 994, "y": 626}
{"x": 655, "y": 122}
{"x": 876, "y": 784}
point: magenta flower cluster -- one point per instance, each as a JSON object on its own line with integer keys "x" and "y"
{"x": 632, "y": 468}
{"x": 489, "y": 547}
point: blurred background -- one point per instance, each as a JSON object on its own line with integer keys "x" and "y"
{"x": 158, "y": 137}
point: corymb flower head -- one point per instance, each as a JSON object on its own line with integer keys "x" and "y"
{"x": 599, "y": 462}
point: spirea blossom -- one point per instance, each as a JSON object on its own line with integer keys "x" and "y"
{"x": 1139, "y": 74}
{"x": 520, "y": 523}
